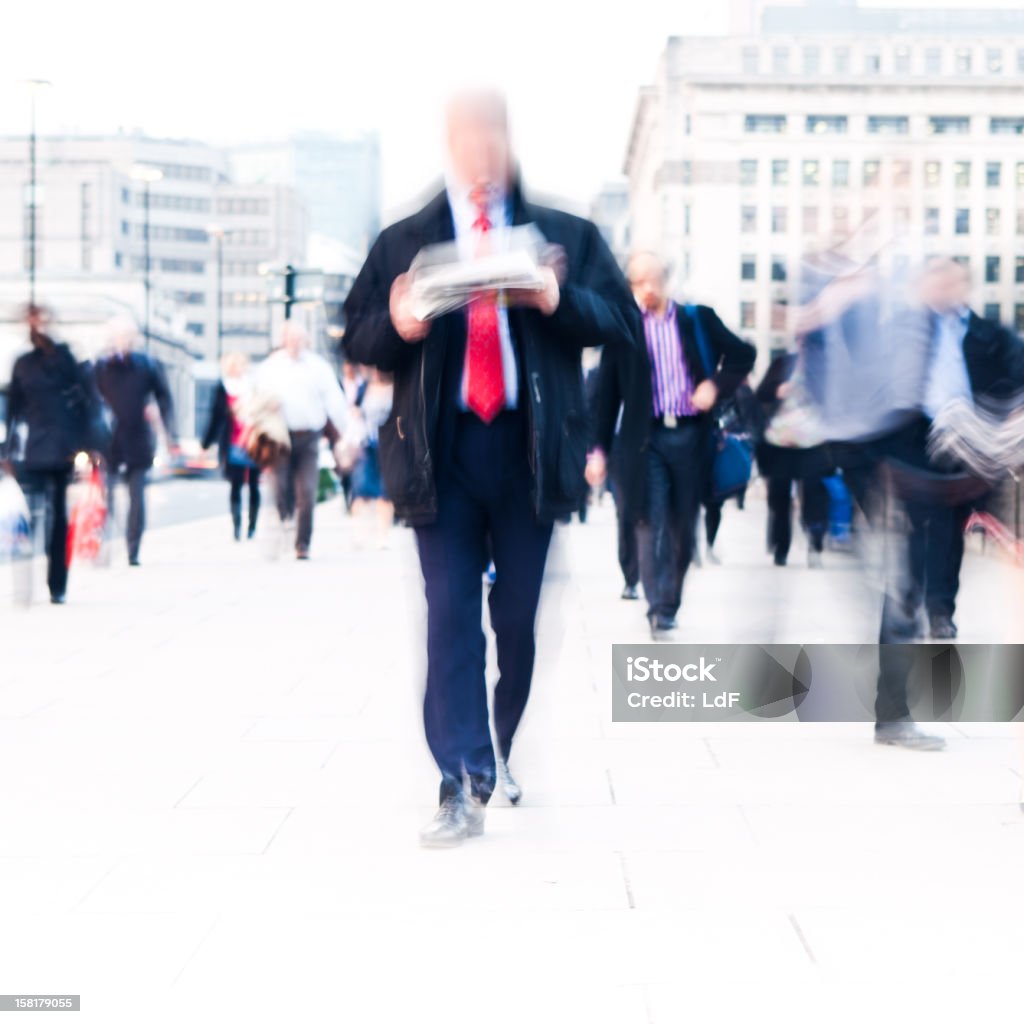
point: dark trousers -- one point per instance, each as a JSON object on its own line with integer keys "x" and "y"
{"x": 295, "y": 477}
{"x": 936, "y": 552}
{"x": 712, "y": 521}
{"x": 46, "y": 491}
{"x": 675, "y": 466}
{"x": 135, "y": 477}
{"x": 813, "y": 513}
{"x": 629, "y": 557}
{"x": 238, "y": 476}
{"x": 484, "y": 506}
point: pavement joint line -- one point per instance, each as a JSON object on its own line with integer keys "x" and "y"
{"x": 99, "y": 881}
{"x": 198, "y": 946}
{"x": 711, "y": 752}
{"x": 747, "y": 823}
{"x": 611, "y": 787}
{"x": 280, "y": 826}
{"x": 625, "y": 881}
{"x": 803, "y": 939}
{"x": 184, "y": 795}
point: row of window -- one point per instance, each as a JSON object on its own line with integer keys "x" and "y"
{"x": 811, "y": 220}
{"x": 900, "y": 60}
{"x": 169, "y": 266}
{"x": 247, "y": 236}
{"x": 879, "y": 124}
{"x": 164, "y": 233}
{"x": 900, "y": 173}
{"x": 185, "y": 172}
{"x": 251, "y": 206}
{"x": 777, "y": 268}
{"x": 162, "y": 201}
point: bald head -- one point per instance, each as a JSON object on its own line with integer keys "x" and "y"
{"x": 648, "y": 277}
{"x": 294, "y": 338}
{"x": 478, "y": 141}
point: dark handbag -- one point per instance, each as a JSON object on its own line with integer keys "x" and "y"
{"x": 732, "y": 453}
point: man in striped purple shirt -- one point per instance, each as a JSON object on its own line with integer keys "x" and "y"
{"x": 662, "y": 398}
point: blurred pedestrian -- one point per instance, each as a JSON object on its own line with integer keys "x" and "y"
{"x": 129, "y": 380}
{"x": 371, "y": 509}
{"x": 310, "y": 398}
{"x": 665, "y": 399}
{"x": 227, "y": 427}
{"x": 486, "y": 442}
{"x": 53, "y": 397}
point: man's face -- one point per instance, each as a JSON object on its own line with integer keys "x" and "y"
{"x": 647, "y": 279}
{"x": 294, "y": 341}
{"x": 36, "y": 321}
{"x": 945, "y": 287}
{"x": 478, "y": 145}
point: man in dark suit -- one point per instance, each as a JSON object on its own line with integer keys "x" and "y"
{"x": 128, "y": 380}
{"x": 967, "y": 358}
{"x": 666, "y": 389}
{"x": 486, "y": 441}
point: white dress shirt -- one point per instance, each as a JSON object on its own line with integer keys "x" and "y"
{"x": 464, "y": 214}
{"x": 947, "y": 376}
{"x": 307, "y": 389}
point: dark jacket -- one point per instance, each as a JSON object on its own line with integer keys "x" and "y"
{"x": 595, "y": 308}
{"x": 221, "y": 424}
{"x": 127, "y": 383}
{"x": 54, "y": 396}
{"x": 625, "y": 385}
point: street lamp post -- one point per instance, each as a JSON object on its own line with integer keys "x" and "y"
{"x": 216, "y": 232}
{"x": 34, "y": 85}
{"x": 147, "y": 175}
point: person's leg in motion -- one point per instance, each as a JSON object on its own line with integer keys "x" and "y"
{"x": 136, "y": 511}
{"x": 306, "y": 471}
{"x": 655, "y": 541}
{"x": 780, "y": 517}
{"x": 236, "y": 479}
{"x": 254, "y": 499}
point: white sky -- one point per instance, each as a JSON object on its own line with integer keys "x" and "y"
{"x": 223, "y": 72}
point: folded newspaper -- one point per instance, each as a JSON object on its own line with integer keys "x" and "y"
{"x": 442, "y": 280}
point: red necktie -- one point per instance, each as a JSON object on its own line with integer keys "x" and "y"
{"x": 485, "y": 375}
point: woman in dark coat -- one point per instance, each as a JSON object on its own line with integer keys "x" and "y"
{"x": 227, "y": 428}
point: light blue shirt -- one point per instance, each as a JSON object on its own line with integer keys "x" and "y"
{"x": 947, "y": 374}
{"x": 464, "y": 214}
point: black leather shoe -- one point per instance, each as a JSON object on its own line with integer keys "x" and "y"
{"x": 134, "y": 561}
{"x": 57, "y": 599}
{"x": 907, "y": 735}
{"x": 943, "y": 627}
{"x": 661, "y": 627}
{"x": 630, "y": 593}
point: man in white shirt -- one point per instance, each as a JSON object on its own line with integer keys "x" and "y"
{"x": 310, "y": 397}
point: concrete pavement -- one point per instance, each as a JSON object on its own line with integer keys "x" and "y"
{"x": 214, "y": 774}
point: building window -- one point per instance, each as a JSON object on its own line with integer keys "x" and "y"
{"x": 962, "y": 222}
{"x": 780, "y": 172}
{"x": 778, "y": 318}
{"x": 993, "y": 174}
{"x": 901, "y": 217}
{"x": 827, "y": 124}
{"x": 962, "y": 63}
{"x": 994, "y": 61}
{"x": 872, "y": 172}
{"x": 840, "y": 173}
{"x": 840, "y": 219}
{"x": 1006, "y": 125}
{"x": 748, "y": 268}
{"x": 748, "y": 219}
{"x": 962, "y": 174}
{"x": 778, "y": 268}
{"x": 748, "y": 172}
{"x": 991, "y": 270}
{"x": 765, "y": 124}
{"x": 888, "y": 124}
{"x": 810, "y": 220}
{"x": 812, "y": 60}
{"x": 1018, "y": 270}
{"x": 748, "y": 315}
{"x": 992, "y": 220}
{"x": 933, "y": 60}
{"x": 686, "y": 219}
{"x": 812, "y": 172}
{"x": 992, "y": 311}
{"x": 1018, "y": 318}
{"x": 686, "y": 172}
{"x": 780, "y": 220}
{"x": 841, "y": 60}
{"x": 949, "y": 125}
{"x": 931, "y": 220}
{"x": 751, "y": 60}
{"x": 1020, "y": 222}
{"x": 1020, "y": 175}
{"x": 780, "y": 59}
{"x": 872, "y": 62}
{"x": 901, "y": 60}
{"x": 901, "y": 173}
{"x": 932, "y": 173}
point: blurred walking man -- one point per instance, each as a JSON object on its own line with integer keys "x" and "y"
{"x": 128, "y": 381}
{"x": 310, "y": 397}
{"x": 486, "y": 442}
